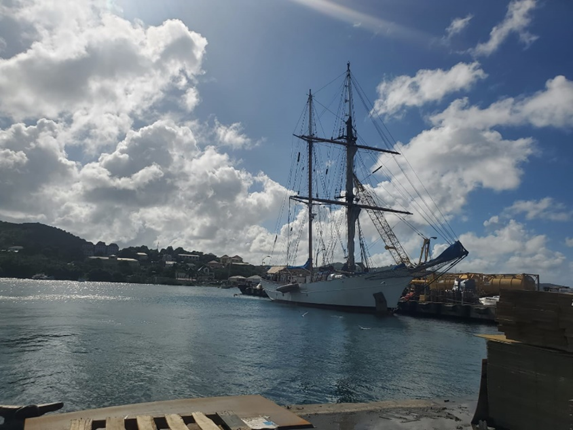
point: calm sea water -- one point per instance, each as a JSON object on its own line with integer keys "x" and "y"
{"x": 97, "y": 344}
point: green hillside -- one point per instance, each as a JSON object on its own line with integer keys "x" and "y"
{"x": 38, "y": 238}
{"x": 58, "y": 254}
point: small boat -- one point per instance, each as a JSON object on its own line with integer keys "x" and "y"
{"x": 252, "y": 290}
{"x": 356, "y": 286}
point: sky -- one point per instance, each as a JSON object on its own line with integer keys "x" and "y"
{"x": 170, "y": 123}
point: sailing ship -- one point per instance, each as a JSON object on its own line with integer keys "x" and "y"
{"x": 355, "y": 286}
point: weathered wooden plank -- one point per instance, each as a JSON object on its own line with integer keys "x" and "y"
{"x": 233, "y": 421}
{"x": 114, "y": 423}
{"x": 145, "y": 422}
{"x": 175, "y": 422}
{"x": 204, "y": 422}
{"x": 81, "y": 424}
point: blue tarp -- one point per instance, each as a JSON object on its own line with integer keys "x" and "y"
{"x": 304, "y": 266}
{"x": 453, "y": 252}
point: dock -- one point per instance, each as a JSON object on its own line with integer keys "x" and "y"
{"x": 256, "y": 412}
{"x": 467, "y": 312}
{"x": 414, "y": 414}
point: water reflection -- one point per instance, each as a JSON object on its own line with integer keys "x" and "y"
{"x": 96, "y": 344}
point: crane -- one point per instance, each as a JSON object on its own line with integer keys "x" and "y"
{"x": 391, "y": 241}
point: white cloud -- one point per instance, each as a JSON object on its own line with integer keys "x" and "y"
{"x": 95, "y": 71}
{"x": 157, "y": 185}
{"x": 552, "y": 107}
{"x": 569, "y": 241}
{"x": 546, "y": 208}
{"x": 33, "y": 163}
{"x": 426, "y": 86}
{"x": 163, "y": 186}
{"x": 457, "y": 25}
{"x": 452, "y": 162}
{"x": 463, "y": 152}
{"x": 232, "y": 135}
{"x": 511, "y": 248}
{"x": 191, "y": 99}
{"x": 516, "y": 20}
{"x": 115, "y": 65}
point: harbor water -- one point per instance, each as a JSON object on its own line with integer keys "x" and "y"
{"x": 99, "y": 344}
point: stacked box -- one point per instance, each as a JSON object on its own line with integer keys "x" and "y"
{"x": 537, "y": 318}
{"x": 530, "y": 369}
{"x": 528, "y": 387}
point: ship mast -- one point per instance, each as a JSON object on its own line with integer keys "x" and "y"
{"x": 310, "y": 216}
{"x": 352, "y": 210}
{"x": 353, "y": 207}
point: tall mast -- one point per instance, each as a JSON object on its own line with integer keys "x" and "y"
{"x": 348, "y": 140}
{"x": 310, "y": 216}
{"x": 352, "y": 210}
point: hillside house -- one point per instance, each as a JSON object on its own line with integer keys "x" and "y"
{"x": 225, "y": 259}
{"x": 214, "y": 264}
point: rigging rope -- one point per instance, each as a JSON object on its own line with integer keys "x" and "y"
{"x": 328, "y": 178}
{"x": 390, "y": 142}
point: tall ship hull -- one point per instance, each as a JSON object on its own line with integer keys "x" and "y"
{"x": 354, "y": 293}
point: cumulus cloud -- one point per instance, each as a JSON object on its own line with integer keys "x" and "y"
{"x": 457, "y": 25}
{"x": 569, "y": 241}
{"x": 464, "y": 151}
{"x": 546, "y": 208}
{"x": 426, "y": 86}
{"x": 33, "y": 163}
{"x": 232, "y": 135}
{"x": 552, "y": 107}
{"x": 157, "y": 185}
{"x": 191, "y": 99}
{"x": 452, "y": 162}
{"x": 93, "y": 70}
{"x": 517, "y": 19}
{"x": 511, "y": 248}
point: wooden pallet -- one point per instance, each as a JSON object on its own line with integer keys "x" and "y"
{"x": 195, "y": 421}
{"x": 226, "y": 413}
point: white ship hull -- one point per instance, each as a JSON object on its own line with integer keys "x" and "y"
{"x": 352, "y": 293}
